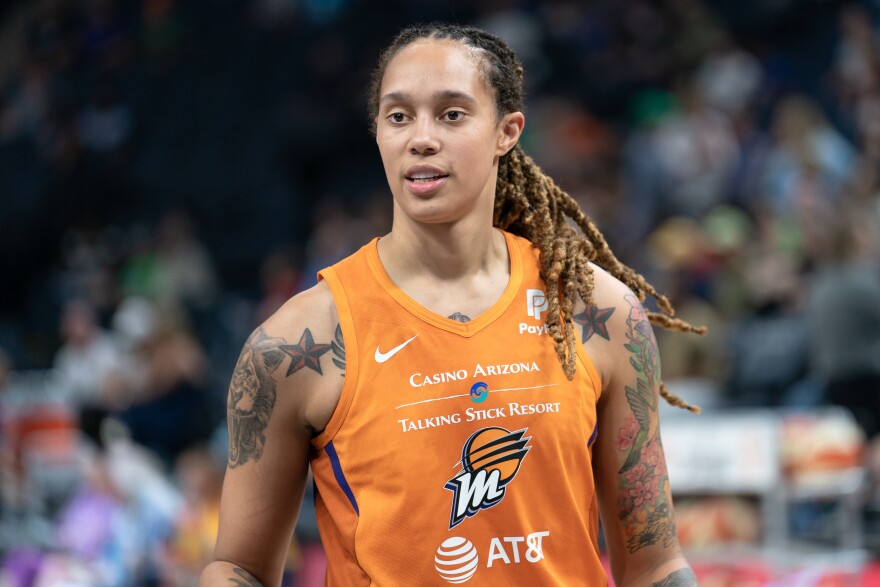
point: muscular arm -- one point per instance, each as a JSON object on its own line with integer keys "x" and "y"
{"x": 632, "y": 484}
{"x": 271, "y": 416}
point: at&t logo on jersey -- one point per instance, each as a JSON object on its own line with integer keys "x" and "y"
{"x": 490, "y": 460}
{"x": 457, "y": 558}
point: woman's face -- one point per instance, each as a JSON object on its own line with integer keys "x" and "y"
{"x": 438, "y": 133}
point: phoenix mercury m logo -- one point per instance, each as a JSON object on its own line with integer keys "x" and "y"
{"x": 490, "y": 460}
{"x": 536, "y": 303}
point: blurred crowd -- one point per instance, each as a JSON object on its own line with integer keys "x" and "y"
{"x": 172, "y": 171}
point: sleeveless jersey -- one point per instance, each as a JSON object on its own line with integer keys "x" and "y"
{"x": 458, "y": 452}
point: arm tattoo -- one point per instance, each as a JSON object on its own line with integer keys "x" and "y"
{"x": 459, "y": 317}
{"x": 248, "y": 580}
{"x": 644, "y": 509}
{"x": 305, "y": 353}
{"x": 252, "y": 397}
{"x": 593, "y": 320}
{"x": 338, "y": 347}
{"x": 252, "y": 390}
{"x": 679, "y": 578}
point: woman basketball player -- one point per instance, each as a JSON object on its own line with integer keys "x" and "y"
{"x": 471, "y": 390}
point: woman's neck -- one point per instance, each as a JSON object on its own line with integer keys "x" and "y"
{"x": 449, "y": 251}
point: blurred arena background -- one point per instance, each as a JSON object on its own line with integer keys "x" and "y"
{"x": 172, "y": 171}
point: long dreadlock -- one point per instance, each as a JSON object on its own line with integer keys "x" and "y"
{"x": 528, "y": 203}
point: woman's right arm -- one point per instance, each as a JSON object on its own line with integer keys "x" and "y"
{"x": 279, "y": 385}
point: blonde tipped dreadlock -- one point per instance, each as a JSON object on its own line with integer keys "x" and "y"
{"x": 528, "y": 203}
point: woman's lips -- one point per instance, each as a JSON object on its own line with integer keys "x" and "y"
{"x": 424, "y": 187}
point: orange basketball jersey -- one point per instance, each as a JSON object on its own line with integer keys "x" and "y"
{"x": 459, "y": 452}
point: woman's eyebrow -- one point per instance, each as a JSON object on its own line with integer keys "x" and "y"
{"x": 441, "y": 95}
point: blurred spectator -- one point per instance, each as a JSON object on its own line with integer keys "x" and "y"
{"x": 200, "y": 478}
{"x": 685, "y": 256}
{"x": 698, "y": 154}
{"x": 88, "y": 256}
{"x": 810, "y": 160}
{"x": 768, "y": 345}
{"x": 135, "y": 322}
{"x": 844, "y": 321}
{"x": 92, "y": 525}
{"x": 522, "y": 32}
{"x": 728, "y": 79}
{"x": 280, "y": 280}
{"x": 574, "y": 145}
{"x": 185, "y": 272}
{"x": 755, "y": 144}
{"x": 139, "y": 274}
{"x": 857, "y": 61}
{"x": 642, "y": 166}
{"x": 698, "y": 33}
{"x": 173, "y": 411}
{"x": 86, "y": 361}
{"x": 336, "y": 235}
{"x": 106, "y": 125}
{"x": 135, "y": 325}
{"x": 28, "y": 101}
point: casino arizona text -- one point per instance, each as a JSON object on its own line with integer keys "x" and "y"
{"x": 419, "y": 380}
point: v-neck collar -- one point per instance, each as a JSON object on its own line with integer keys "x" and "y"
{"x": 466, "y": 329}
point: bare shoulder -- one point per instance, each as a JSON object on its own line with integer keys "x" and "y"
{"x": 288, "y": 376}
{"x": 312, "y": 308}
{"x": 608, "y": 288}
{"x": 604, "y": 325}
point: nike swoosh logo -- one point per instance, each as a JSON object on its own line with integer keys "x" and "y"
{"x": 382, "y": 357}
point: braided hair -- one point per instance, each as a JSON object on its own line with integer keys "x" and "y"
{"x": 528, "y": 203}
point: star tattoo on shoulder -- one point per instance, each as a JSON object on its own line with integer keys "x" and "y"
{"x": 593, "y": 320}
{"x": 305, "y": 353}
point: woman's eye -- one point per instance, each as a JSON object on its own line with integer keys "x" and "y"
{"x": 454, "y": 115}
{"x": 397, "y": 117}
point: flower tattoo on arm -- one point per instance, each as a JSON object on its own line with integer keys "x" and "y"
{"x": 644, "y": 509}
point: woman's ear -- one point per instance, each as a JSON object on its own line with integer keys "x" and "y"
{"x": 509, "y": 130}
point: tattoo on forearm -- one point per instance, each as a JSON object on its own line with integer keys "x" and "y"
{"x": 338, "y": 347}
{"x": 252, "y": 390}
{"x": 459, "y": 317}
{"x": 593, "y": 319}
{"x": 643, "y": 504}
{"x": 679, "y": 578}
{"x": 247, "y": 580}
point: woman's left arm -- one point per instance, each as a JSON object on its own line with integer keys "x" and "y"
{"x": 635, "y": 503}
